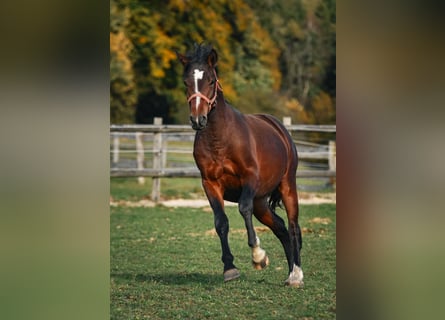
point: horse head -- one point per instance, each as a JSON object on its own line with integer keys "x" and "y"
{"x": 201, "y": 82}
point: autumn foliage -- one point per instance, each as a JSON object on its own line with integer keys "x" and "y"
{"x": 276, "y": 57}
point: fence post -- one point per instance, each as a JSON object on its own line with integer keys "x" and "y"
{"x": 115, "y": 148}
{"x": 332, "y": 159}
{"x": 157, "y": 162}
{"x": 140, "y": 154}
{"x": 287, "y": 121}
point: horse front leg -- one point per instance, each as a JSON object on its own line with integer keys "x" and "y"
{"x": 214, "y": 195}
{"x": 245, "y": 206}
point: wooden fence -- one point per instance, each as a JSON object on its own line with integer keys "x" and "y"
{"x": 160, "y": 135}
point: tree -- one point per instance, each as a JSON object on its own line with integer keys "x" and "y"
{"x": 304, "y": 31}
{"x": 271, "y": 53}
{"x": 122, "y": 86}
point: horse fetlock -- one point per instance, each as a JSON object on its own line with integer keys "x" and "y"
{"x": 258, "y": 254}
{"x": 263, "y": 263}
{"x": 259, "y": 258}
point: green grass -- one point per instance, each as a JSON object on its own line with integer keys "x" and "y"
{"x": 165, "y": 264}
{"x": 129, "y": 188}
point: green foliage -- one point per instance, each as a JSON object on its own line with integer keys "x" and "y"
{"x": 123, "y": 88}
{"x": 304, "y": 31}
{"x": 281, "y": 49}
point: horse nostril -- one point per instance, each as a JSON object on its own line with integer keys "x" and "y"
{"x": 198, "y": 122}
{"x": 202, "y": 120}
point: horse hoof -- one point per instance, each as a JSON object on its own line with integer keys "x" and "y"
{"x": 262, "y": 264}
{"x": 231, "y": 274}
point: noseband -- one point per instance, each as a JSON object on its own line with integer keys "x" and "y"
{"x": 211, "y": 101}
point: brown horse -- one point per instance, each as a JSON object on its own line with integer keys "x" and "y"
{"x": 248, "y": 159}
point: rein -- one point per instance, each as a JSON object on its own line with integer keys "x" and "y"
{"x": 211, "y": 101}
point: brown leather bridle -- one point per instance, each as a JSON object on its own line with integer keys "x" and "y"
{"x": 211, "y": 101}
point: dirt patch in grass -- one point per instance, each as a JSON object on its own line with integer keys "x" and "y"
{"x": 304, "y": 198}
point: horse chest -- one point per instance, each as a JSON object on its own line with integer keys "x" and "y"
{"x": 224, "y": 170}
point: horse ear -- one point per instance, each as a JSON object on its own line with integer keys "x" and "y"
{"x": 184, "y": 60}
{"x": 212, "y": 59}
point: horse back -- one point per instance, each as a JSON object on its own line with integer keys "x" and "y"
{"x": 269, "y": 127}
{"x": 274, "y": 149}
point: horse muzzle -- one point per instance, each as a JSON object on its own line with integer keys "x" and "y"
{"x": 198, "y": 123}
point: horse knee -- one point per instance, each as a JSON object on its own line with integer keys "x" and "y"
{"x": 246, "y": 207}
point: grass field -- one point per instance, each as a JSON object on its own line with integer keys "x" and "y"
{"x": 129, "y": 189}
{"x": 165, "y": 264}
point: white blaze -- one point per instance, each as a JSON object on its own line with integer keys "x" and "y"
{"x": 197, "y": 75}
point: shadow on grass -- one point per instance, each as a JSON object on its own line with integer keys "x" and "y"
{"x": 171, "y": 278}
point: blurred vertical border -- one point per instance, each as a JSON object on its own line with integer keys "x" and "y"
{"x": 54, "y": 169}
{"x": 390, "y": 114}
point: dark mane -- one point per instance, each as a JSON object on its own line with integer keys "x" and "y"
{"x": 200, "y": 53}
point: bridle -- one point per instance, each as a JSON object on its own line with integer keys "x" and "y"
{"x": 212, "y": 101}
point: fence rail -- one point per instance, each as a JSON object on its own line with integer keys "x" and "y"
{"x": 194, "y": 173}
{"x": 159, "y": 135}
{"x": 158, "y": 128}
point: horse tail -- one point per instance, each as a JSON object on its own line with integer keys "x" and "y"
{"x": 275, "y": 200}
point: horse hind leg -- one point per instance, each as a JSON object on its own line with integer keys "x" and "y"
{"x": 290, "y": 200}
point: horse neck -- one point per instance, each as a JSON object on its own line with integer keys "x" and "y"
{"x": 221, "y": 117}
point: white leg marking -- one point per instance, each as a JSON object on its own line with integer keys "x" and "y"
{"x": 295, "y": 277}
{"x": 258, "y": 253}
{"x": 197, "y": 75}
